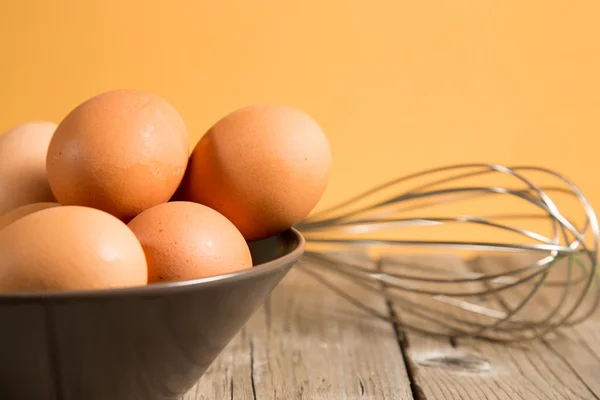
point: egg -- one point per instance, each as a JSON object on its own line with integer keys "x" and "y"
{"x": 22, "y": 211}
{"x": 184, "y": 240}
{"x": 23, "y": 178}
{"x": 122, "y": 152}
{"x": 69, "y": 248}
{"x": 264, "y": 167}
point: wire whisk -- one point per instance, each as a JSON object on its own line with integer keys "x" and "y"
{"x": 472, "y": 250}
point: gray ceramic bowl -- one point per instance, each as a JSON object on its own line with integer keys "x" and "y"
{"x": 147, "y": 343}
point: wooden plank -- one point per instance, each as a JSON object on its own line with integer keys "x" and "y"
{"x": 475, "y": 369}
{"x": 309, "y": 343}
{"x": 229, "y": 377}
{"x": 578, "y": 346}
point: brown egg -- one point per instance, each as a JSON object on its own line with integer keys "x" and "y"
{"x": 184, "y": 240}
{"x": 23, "y": 178}
{"x": 264, "y": 167}
{"x": 20, "y": 212}
{"x": 122, "y": 152}
{"x": 69, "y": 248}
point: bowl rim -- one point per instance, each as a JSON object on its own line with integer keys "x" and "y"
{"x": 162, "y": 288}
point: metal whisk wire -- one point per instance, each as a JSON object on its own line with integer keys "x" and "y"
{"x": 445, "y": 302}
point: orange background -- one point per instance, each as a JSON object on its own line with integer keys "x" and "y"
{"x": 398, "y": 86}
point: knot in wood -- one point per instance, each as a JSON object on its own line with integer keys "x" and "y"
{"x": 462, "y": 362}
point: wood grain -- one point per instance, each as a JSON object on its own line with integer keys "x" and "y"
{"x": 229, "y": 377}
{"x": 309, "y": 343}
{"x": 577, "y": 346}
{"x": 470, "y": 369}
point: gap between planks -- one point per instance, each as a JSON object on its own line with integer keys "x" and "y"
{"x": 475, "y": 369}
{"x": 577, "y": 346}
{"x": 306, "y": 342}
{"x": 278, "y": 355}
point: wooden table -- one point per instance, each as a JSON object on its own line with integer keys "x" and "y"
{"x": 309, "y": 343}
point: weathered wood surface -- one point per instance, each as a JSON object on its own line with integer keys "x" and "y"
{"x": 475, "y": 369}
{"x": 579, "y": 346}
{"x": 309, "y": 343}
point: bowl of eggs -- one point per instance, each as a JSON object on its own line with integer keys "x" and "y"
{"x": 128, "y": 259}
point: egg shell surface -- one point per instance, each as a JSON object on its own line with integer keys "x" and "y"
{"x": 23, "y": 178}
{"x": 69, "y": 248}
{"x": 22, "y": 211}
{"x": 185, "y": 240}
{"x": 264, "y": 167}
{"x": 121, "y": 152}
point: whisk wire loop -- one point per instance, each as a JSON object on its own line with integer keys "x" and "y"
{"x": 554, "y": 262}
